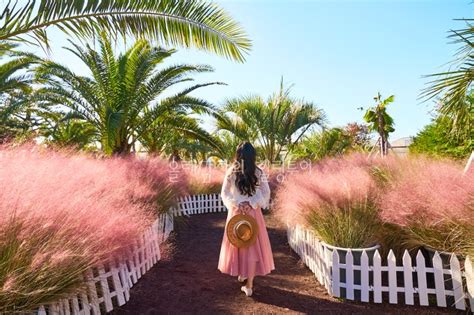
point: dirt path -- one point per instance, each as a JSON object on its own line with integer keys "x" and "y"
{"x": 187, "y": 281}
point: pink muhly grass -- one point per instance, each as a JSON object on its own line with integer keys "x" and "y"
{"x": 430, "y": 191}
{"x": 335, "y": 198}
{"x": 164, "y": 185}
{"x": 62, "y": 213}
{"x": 434, "y": 202}
{"x": 323, "y": 185}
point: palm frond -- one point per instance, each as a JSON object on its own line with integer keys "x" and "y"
{"x": 453, "y": 86}
{"x": 185, "y": 23}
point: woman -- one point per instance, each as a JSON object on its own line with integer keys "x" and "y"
{"x": 245, "y": 188}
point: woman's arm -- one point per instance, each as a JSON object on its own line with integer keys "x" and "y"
{"x": 226, "y": 194}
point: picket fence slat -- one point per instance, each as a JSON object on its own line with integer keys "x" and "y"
{"x": 408, "y": 278}
{"x": 421, "y": 274}
{"x": 327, "y": 268}
{"x": 364, "y": 277}
{"x": 335, "y": 274}
{"x": 392, "y": 277}
{"x": 377, "y": 277}
{"x": 349, "y": 275}
{"x": 456, "y": 279}
{"x": 439, "y": 280}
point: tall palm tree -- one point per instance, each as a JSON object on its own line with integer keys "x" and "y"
{"x": 188, "y": 23}
{"x": 121, "y": 99}
{"x": 380, "y": 121}
{"x": 275, "y": 124}
{"x": 454, "y": 85}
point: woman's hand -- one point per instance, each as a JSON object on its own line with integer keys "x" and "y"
{"x": 245, "y": 207}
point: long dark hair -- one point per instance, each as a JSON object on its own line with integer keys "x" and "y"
{"x": 245, "y": 169}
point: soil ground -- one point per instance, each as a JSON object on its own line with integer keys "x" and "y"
{"x": 187, "y": 280}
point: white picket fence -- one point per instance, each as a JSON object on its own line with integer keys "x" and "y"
{"x": 199, "y": 204}
{"x": 355, "y": 275}
{"x": 109, "y": 285}
{"x": 363, "y": 276}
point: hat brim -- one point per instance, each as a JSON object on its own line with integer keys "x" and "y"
{"x": 233, "y": 239}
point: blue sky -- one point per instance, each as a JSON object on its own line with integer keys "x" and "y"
{"x": 337, "y": 54}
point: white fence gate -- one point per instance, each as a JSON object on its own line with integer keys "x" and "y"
{"x": 365, "y": 277}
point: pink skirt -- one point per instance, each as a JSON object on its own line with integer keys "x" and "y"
{"x": 235, "y": 261}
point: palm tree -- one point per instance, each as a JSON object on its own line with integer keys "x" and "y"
{"x": 454, "y": 85}
{"x": 177, "y": 132}
{"x": 275, "y": 124}
{"x": 62, "y": 132}
{"x": 121, "y": 98}
{"x": 188, "y": 23}
{"x": 14, "y": 77}
{"x": 380, "y": 121}
{"x": 228, "y": 143}
{"x": 321, "y": 144}
{"x": 15, "y": 86}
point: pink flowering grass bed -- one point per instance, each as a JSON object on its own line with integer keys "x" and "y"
{"x": 62, "y": 213}
{"x": 356, "y": 201}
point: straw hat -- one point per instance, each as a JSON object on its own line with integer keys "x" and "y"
{"x": 242, "y": 230}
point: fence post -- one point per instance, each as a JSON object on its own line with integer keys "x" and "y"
{"x": 349, "y": 275}
{"x": 105, "y": 289}
{"x": 336, "y": 291}
{"x": 392, "y": 277}
{"x": 94, "y": 301}
{"x": 456, "y": 278}
{"x": 439, "y": 280}
{"x": 421, "y": 274}
{"x": 364, "y": 277}
{"x": 327, "y": 265}
{"x": 408, "y": 278}
{"x": 377, "y": 277}
{"x": 119, "y": 290}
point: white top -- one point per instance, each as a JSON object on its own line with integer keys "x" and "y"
{"x": 231, "y": 195}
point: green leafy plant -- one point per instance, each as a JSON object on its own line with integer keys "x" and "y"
{"x": 380, "y": 121}
{"x": 436, "y": 140}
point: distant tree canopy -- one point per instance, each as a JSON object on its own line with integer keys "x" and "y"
{"x": 333, "y": 142}
{"x": 436, "y": 140}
